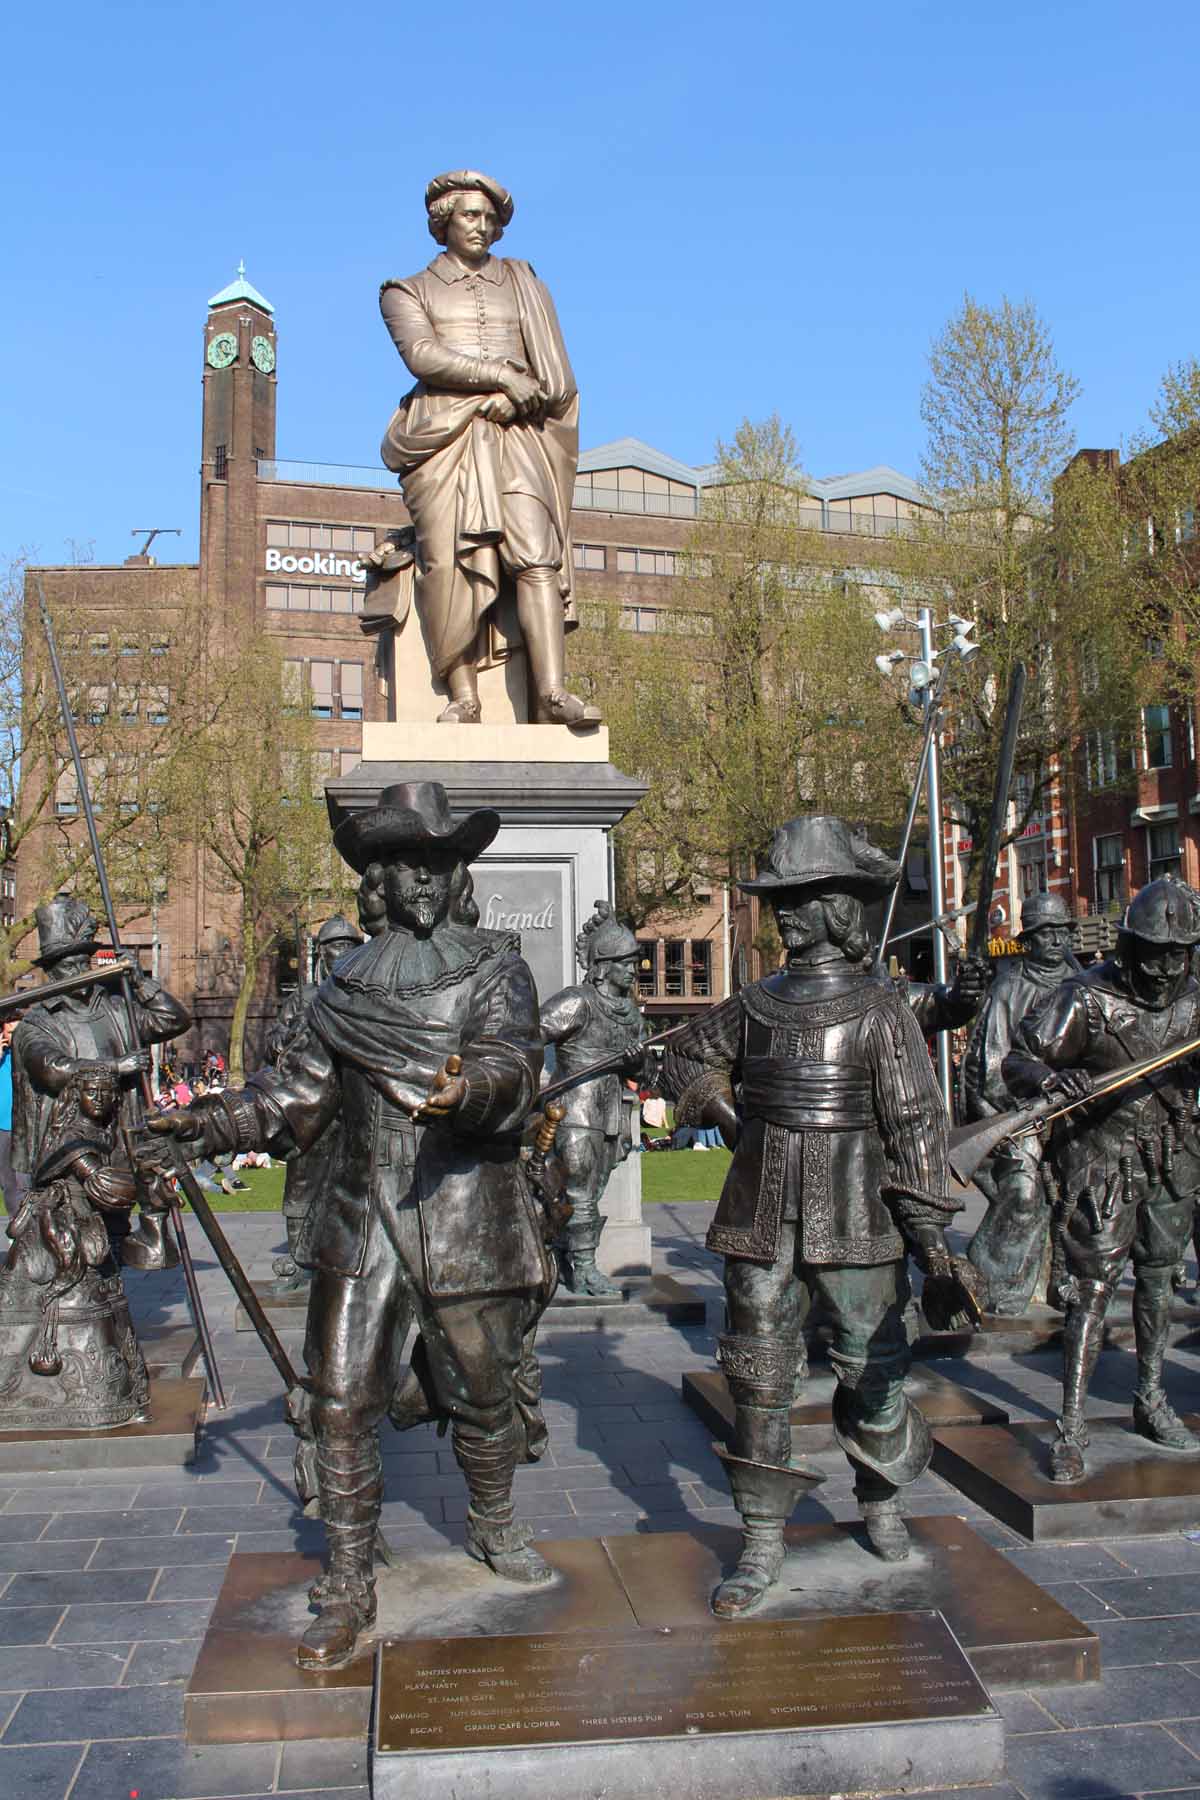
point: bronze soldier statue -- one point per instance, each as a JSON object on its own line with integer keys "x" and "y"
{"x": 486, "y": 446}
{"x": 1009, "y": 1248}
{"x": 57, "y": 1035}
{"x": 587, "y": 1023}
{"x": 426, "y": 1219}
{"x": 69, "y": 1358}
{"x": 1127, "y": 1164}
{"x": 820, "y": 1076}
{"x": 306, "y": 1175}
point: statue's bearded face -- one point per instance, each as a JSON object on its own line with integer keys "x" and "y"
{"x": 802, "y": 924}
{"x": 417, "y": 886}
{"x": 1156, "y": 971}
{"x": 472, "y": 228}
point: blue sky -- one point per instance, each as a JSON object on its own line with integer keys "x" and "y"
{"x": 739, "y": 209}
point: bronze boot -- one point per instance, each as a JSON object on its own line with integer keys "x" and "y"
{"x": 1153, "y": 1415}
{"x": 349, "y": 1475}
{"x": 585, "y": 1276}
{"x": 765, "y": 1496}
{"x": 149, "y": 1245}
{"x": 1083, "y": 1335}
{"x": 879, "y": 1505}
{"x": 494, "y": 1537}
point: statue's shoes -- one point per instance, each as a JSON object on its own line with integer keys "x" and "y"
{"x": 1157, "y": 1420}
{"x": 886, "y": 1530}
{"x": 558, "y": 707}
{"x": 1066, "y": 1462}
{"x": 507, "y": 1552}
{"x": 461, "y": 712}
{"x": 593, "y": 1281}
{"x": 750, "y": 1583}
{"x": 330, "y": 1641}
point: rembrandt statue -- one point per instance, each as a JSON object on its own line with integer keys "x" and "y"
{"x": 486, "y": 446}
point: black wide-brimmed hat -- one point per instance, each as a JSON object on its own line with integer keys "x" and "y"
{"x": 821, "y": 855}
{"x": 66, "y": 926}
{"x": 410, "y": 814}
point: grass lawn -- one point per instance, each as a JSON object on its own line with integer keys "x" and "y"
{"x": 666, "y": 1175}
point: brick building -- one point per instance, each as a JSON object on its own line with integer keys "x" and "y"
{"x": 280, "y": 542}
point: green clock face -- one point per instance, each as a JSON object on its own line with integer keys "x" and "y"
{"x": 222, "y": 350}
{"x": 262, "y": 355}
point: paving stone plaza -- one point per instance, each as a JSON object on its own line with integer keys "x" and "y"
{"x": 107, "y": 1579}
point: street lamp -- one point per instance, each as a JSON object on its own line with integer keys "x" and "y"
{"x": 925, "y": 685}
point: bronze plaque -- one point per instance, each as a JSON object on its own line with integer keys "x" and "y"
{"x": 756, "y": 1675}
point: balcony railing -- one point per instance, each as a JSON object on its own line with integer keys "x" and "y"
{"x": 309, "y": 474}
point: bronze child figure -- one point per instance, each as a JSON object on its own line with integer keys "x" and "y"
{"x": 426, "y": 1219}
{"x": 820, "y": 1077}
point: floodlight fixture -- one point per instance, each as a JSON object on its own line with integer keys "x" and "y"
{"x": 888, "y": 621}
{"x": 885, "y": 664}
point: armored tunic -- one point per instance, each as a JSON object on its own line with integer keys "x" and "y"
{"x": 842, "y": 1124}
{"x": 587, "y": 1027}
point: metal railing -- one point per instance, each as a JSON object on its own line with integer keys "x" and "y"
{"x": 310, "y": 474}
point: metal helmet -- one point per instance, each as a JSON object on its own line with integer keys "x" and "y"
{"x": 1167, "y": 911}
{"x": 1043, "y": 909}
{"x": 604, "y": 938}
{"x": 338, "y": 930}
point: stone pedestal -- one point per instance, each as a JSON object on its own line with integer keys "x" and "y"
{"x": 625, "y": 1241}
{"x": 168, "y": 1440}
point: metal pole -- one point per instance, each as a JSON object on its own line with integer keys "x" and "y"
{"x": 937, "y": 873}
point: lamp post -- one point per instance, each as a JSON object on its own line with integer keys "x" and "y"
{"x": 923, "y": 682}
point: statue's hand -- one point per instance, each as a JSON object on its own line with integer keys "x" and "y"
{"x": 447, "y": 1093}
{"x": 182, "y": 1123}
{"x": 137, "y": 1062}
{"x": 522, "y": 390}
{"x": 499, "y": 409}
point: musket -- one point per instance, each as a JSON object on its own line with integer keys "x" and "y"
{"x": 608, "y": 1065}
{"x": 941, "y": 923}
{"x": 175, "y": 1163}
{"x": 971, "y": 1144}
{"x": 977, "y": 947}
{"x": 67, "y": 984}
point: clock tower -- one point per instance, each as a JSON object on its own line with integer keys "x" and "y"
{"x": 238, "y": 433}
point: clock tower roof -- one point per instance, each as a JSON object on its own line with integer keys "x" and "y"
{"x": 240, "y": 290}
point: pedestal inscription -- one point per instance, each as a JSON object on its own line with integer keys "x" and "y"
{"x": 617, "y": 1686}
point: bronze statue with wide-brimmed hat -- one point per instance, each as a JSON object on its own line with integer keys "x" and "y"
{"x": 820, "y": 1079}
{"x": 424, "y": 1042}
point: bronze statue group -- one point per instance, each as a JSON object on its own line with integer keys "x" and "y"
{"x": 402, "y": 1092}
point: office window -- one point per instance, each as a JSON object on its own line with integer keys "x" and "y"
{"x": 127, "y": 705}
{"x": 293, "y": 681}
{"x": 305, "y": 534}
{"x": 646, "y": 562}
{"x": 702, "y": 967}
{"x": 589, "y": 556}
{"x": 160, "y": 643}
{"x": 1101, "y": 758}
{"x": 295, "y": 596}
{"x": 673, "y": 961}
{"x": 1033, "y": 876}
{"x": 99, "y": 643}
{"x": 647, "y": 958}
{"x": 130, "y": 645}
{"x": 158, "y": 705}
{"x": 1162, "y": 850}
{"x": 66, "y": 795}
{"x": 320, "y": 680}
{"x": 1156, "y": 730}
{"x": 351, "y": 689}
{"x": 97, "y": 704}
{"x": 1108, "y": 862}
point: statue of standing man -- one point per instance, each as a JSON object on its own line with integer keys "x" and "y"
{"x": 486, "y": 447}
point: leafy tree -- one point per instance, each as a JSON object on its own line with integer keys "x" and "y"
{"x": 757, "y": 697}
{"x": 254, "y": 806}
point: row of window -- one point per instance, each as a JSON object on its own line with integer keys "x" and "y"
{"x": 305, "y": 534}
{"x": 294, "y": 596}
{"x": 125, "y": 772}
{"x": 128, "y": 643}
{"x": 335, "y": 688}
{"x": 145, "y": 703}
{"x": 1164, "y": 855}
{"x": 684, "y": 968}
{"x": 1105, "y": 755}
{"x": 629, "y": 561}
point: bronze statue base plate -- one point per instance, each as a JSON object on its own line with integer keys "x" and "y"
{"x": 942, "y": 1401}
{"x": 247, "y": 1688}
{"x": 1132, "y": 1487}
{"x": 796, "y": 1706}
{"x": 1041, "y": 1328}
{"x": 168, "y": 1441}
{"x": 170, "y": 1349}
{"x": 660, "y": 1301}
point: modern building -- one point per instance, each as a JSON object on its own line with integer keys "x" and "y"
{"x": 280, "y": 542}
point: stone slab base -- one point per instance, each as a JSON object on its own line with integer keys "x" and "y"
{"x": 807, "y": 1706}
{"x": 168, "y": 1441}
{"x": 1041, "y": 1328}
{"x": 247, "y": 1688}
{"x": 1132, "y": 1487}
{"x": 942, "y": 1401}
{"x": 660, "y": 1301}
{"x": 425, "y": 743}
